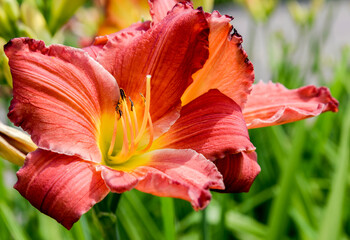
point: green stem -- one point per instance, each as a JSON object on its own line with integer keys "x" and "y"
{"x": 205, "y": 227}
{"x": 168, "y": 215}
{"x": 221, "y": 233}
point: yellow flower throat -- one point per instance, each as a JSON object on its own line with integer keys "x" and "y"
{"x": 131, "y": 143}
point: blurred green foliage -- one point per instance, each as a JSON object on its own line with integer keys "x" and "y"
{"x": 260, "y": 10}
{"x": 301, "y": 193}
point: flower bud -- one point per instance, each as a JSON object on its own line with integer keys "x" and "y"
{"x": 14, "y": 144}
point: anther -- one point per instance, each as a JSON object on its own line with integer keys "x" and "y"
{"x": 131, "y": 104}
{"x": 122, "y": 94}
{"x": 143, "y": 98}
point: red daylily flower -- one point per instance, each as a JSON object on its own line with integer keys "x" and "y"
{"x": 90, "y": 139}
{"x": 229, "y": 70}
{"x": 96, "y": 134}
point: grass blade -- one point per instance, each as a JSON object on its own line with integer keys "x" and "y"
{"x": 333, "y": 214}
{"x": 10, "y": 221}
{"x": 168, "y": 215}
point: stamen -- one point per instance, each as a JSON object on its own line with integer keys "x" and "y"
{"x": 125, "y": 147}
{"x": 111, "y": 147}
{"x": 129, "y": 146}
{"x": 131, "y": 104}
{"x": 147, "y": 106}
{"x": 118, "y": 110}
{"x": 120, "y": 157}
{"x": 143, "y": 98}
{"x": 122, "y": 94}
{"x": 132, "y": 143}
{"x": 136, "y": 125}
{"x": 151, "y": 135}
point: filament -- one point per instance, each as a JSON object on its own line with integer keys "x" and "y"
{"x": 111, "y": 146}
{"x": 126, "y": 110}
{"x": 130, "y": 126}
{"x": 147, "y": 106}
{"x": 151, "y": 135}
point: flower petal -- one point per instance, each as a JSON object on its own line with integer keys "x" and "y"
{"x": 59, "y": 94}
{"x": 227, "y": 68}
{"x": 132, "y": 31}
{"x": 273, "y": 104}
{"x": 63, "y": 187}
{"x": 118, "y": 181}
{"x": 212, "y": 125}
{"x": 238, "y": 170}
{"x": 171, "y": 51}
{"x": 181, "y": 174}
{"x": 160, "y": 8}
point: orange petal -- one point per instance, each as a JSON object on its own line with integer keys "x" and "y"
{"x": 272, "y": 104}
{"x": 239, "y": 171}
{"x": 227, "y": 69}
{"x": 212, "y": 125}
{"x": 118, "y": 181}
{"x": 59, "y": 95}
{"x": 133, "y": 31}
{"x": 160, "y": 8}
{"x": 171, "y": 51}
{"x": 181, "y": 174}
{"x": 63, "y": 187}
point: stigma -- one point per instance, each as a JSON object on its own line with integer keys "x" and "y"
{"x": 133, "y": 132}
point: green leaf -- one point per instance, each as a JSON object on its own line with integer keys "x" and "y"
{"x": 245, "y": 226}
{"x": 61, "y": 12}
{"x": 278, "y": 215}
{"x": 143, "y": 214}
{"x": 11, "y": 223}
{"x": 333, "y": 214}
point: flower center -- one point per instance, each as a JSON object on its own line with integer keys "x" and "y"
{"x": 126, "y": 121}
